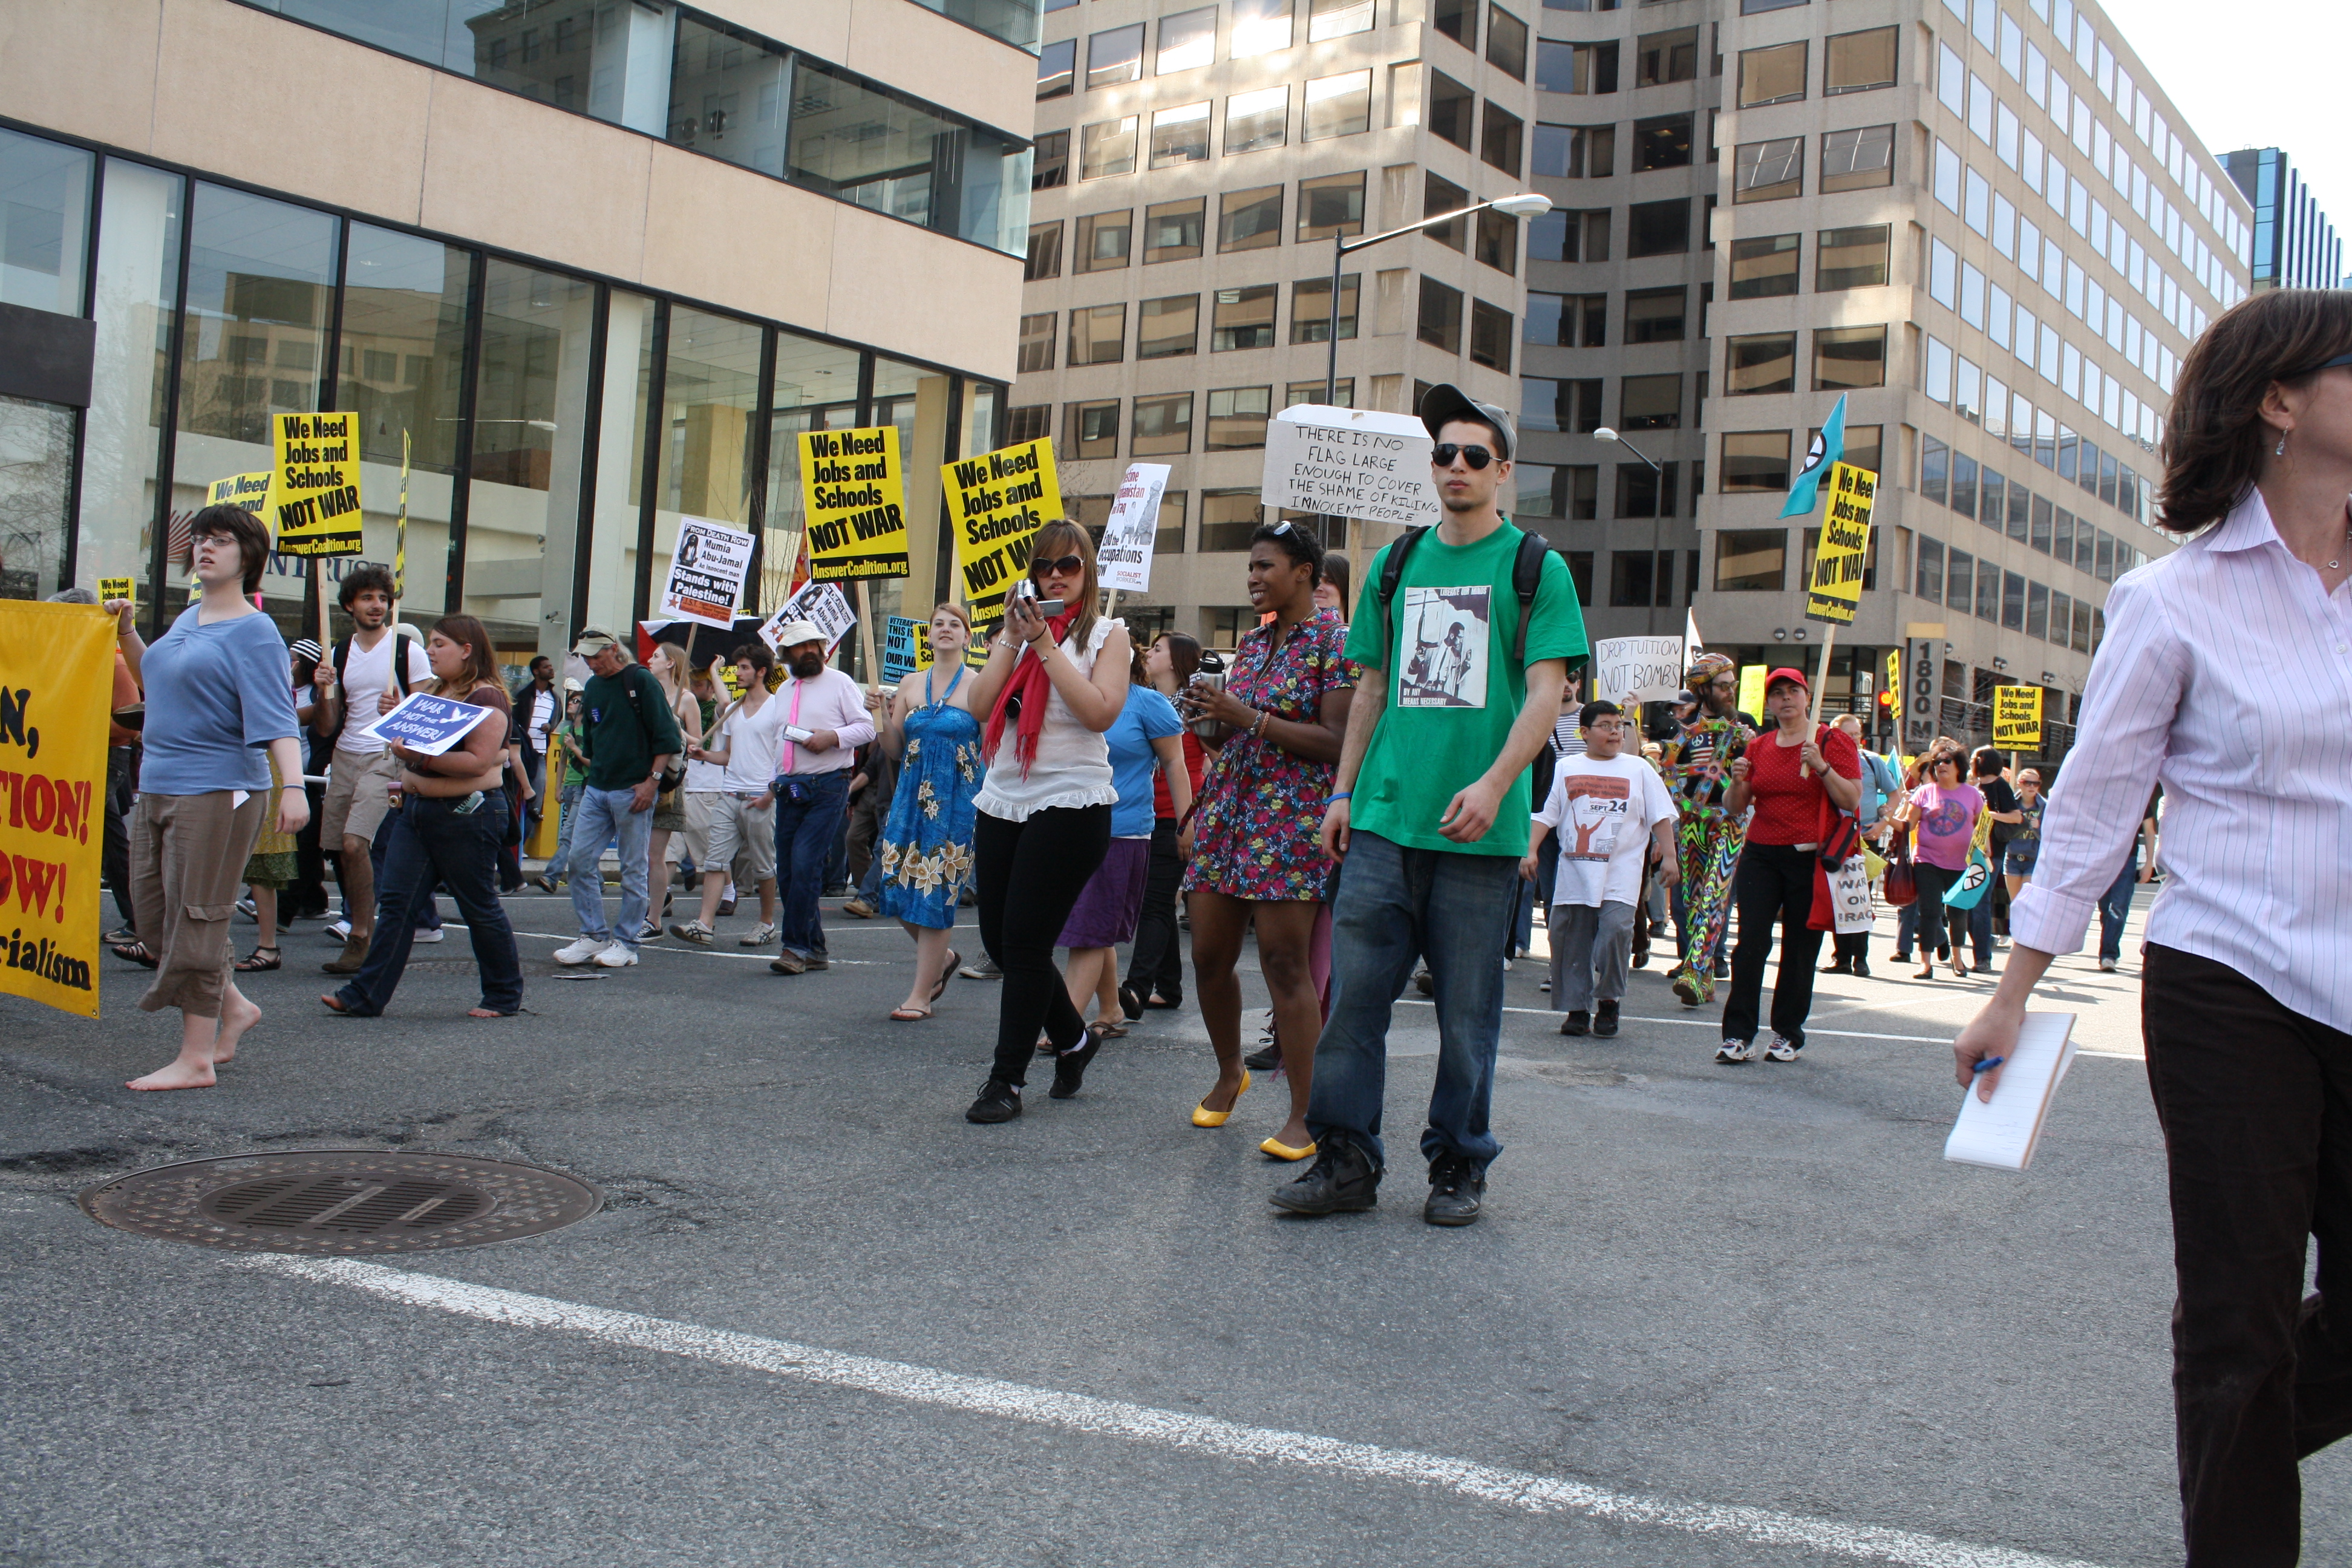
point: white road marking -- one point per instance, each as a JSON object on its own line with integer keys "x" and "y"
{"x": 1519, "y": 1489}
{"x": 761, "y": 954}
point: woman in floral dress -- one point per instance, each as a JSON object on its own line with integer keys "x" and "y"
{"x": 1255, "y": 837}
{"x": 926, "y": 843}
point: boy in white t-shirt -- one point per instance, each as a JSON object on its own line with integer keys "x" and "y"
{"x": 1609, "y": 810}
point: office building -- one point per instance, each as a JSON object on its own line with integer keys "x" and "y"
{"x": 2294, "y": 245}
{"x": 582, "y": 265}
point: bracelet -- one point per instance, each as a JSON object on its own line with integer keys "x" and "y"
{"x": 1336, "y": 799}
{"x": 1258, "y": 729}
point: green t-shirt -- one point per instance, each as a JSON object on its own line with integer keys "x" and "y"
{"x": 1453, "y": 695}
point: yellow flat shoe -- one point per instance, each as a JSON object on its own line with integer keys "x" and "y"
{"x": 1204, "y": 1117}
{"x": 1281, "y": 1151}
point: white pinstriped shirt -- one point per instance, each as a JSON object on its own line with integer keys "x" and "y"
{"x": 2227, "y": 674}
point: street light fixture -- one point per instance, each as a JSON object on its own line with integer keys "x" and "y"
{"x": 1650, "y": 615}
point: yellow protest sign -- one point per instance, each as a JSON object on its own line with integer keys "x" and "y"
{"x": 2017, "y": 717}
{"x": 112, "y": 588}
{"x": 250, "y": 492}
{"x": 856, "y": 495}
{"x": 56, "y": 682}
{"x": 315, "y": 498}
{"x": 999, "y": 500}
{"x": 1834, "y": 592}
{"x": 1751, "y": 690}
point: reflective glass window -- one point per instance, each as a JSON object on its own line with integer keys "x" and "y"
{"x": 44, "y": 223}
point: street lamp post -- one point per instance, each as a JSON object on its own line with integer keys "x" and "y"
{"x": 1650, "y": 614}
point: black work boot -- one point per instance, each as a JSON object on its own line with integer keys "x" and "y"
{"x": 1455, "y": 1190}
{"x": 1343, "y": 1180}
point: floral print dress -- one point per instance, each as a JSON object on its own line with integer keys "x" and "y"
{"x": 1256, "y": 833}
{"x": 926, "y": 842}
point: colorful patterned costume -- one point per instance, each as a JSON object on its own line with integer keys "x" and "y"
{"x": 1708, "y": 839}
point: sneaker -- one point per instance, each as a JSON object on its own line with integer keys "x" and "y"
{"x": 1544, "y": 986}
{"x": 1070, "y": 1066}
{"x": 762, "y": 934}
{"x": 1723, "y": 969}
{"x": 426, "y": 934}
{"x": 1732, "y": 1052}
{"x": 858, "y": 909}
{"x": 1984, "y": 966}
{"x": 1641, "y": 958}
{"x": 1343, "y": 1180}
{"x": 1862, "y": 969}
{"x": 692, "y": 931}
{"x": 1578, "y": 1022}
{"x": 998, "y": 1101}
{"x": 788, "y": 962}
{"x": 1604, "y": 1021}
{"x": 839, "y": 890}
{"x": 539, "y": 879}
{"x": 1265, "y": 1059}
{"x": 1455, "y": 1190}
{"x": 581, "y": 951}
{"x": 1782, "y": 1049}
{"x": 245, "y": 907}
{"x": 339, "y": 932}
{"x": 725, "y": 909}
{"x": 816, "y": 961}
{"x": 2107, "y": 966}
{"x": 619, "y": 955}
{"x": 981, "y": 968}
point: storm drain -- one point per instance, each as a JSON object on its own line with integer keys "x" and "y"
{"x": 344, "y": 1202}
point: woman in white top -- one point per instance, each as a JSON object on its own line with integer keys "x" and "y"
{"x": 2226, "y": 673}
{"x": 666, "y": 664}
{"x": 1051, "y": 685}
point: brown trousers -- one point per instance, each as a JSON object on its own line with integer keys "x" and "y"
{"x": 2256, "y": 1103}
{"x": 187, "y": 859}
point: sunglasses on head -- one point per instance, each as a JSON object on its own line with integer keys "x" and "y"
{"x": 1045, "y": 565}
{"x": 1444, "y": 452}
{"x": 2324, "y": 365}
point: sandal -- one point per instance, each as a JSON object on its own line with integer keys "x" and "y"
{"x": 1110, "y": 1028}
{"x": 136, "y": 951}
{"x": 955, "y": 961}
{"x": 909, "y": 1015}
{"x": 254, "y": 963}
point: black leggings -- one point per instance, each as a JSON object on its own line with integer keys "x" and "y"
{"x": 1934, "y": 883}
{"x": 1775, "y": 882}
{"x": 1048, "y": 859}
{"x": 1156, "y": 961}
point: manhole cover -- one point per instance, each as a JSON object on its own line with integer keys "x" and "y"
{"x": 342, "y": 1202}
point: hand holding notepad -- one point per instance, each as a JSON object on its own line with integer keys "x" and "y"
{"x": 2002, "y": 1131}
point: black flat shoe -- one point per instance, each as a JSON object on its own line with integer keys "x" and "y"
{"x": 1130, "y": 1001}
{"x": 1070, "y": 1067}
{"x": 998, "y": 1101}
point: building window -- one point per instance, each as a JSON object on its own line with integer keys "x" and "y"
{"x": 1651, "y": 402}
{"x": 1249, "y": 220}
{"x": 1656, "y": 315}
{"x": 1928, "y": 583}
{"x": 1337, "y": 18}
{"x": 1106, "y": 147}
{"x": 1188, "y": 41}
{"x": 1331, "y": 204}
{"x": 1761, "y": 362}
{"x": 1575, "y": 68}
{"x": 1566, "y": 235}
{"x": 1237, "y": 416}
{"x": 726, "y": 93}
{"x": 1507, "y": 41}
{"x": 1500, "y": 139}
{"x": 1439, "y": 194}
{"x": 1858, "y": 160}
{"x": 1449, "y": 110}
{"x": 1310, "y": 309}
{"x": 1858, "y": 62}
{"x": 1044, "y": 252}
{"x": 1031, "y": 422}
{"x": 1850, "y": 257}
{"x": 1170, "y": 539}
{"x": 1179, "y": 135}
{"x": 1228, "y": 518}
{"x": 1257, "y": 121}
{"x": 1057, "y": 68}
{"x": 1260, "y": 26}
{"x": 1499, "y": 241}
{"x": 1656, "y": 228}
{"x": 1755, "y": 460}
{"x": 1114, "y": 56}
{"x": 1751, "y": 560}
{"x": 1440, "y": 321}
{"x": 1546, "y": 404}
{"x": 1338, "y": 106}
{"x": 1098, "y": 334}
{"x": 1163, "y": 425}
{"x": 1050, "y": 167}
{"x": 1102, "y": 241}
{"x": 1490, "y": 336}
{"x": 1244, "y": 319}
{"x": 1567, "y": 491}
{"x": 1764, "y": 266}
{"x": 1171, "y": 230}
{"x": 1094, "y": 429}
{"x": 1036, "y": 344}
{"x": 1774, "y": 74}
{"x": 1457, "y": 19}
{"x": 1168, "y": 328}
{"x": 1662, "y": 142}
{"x": 1343, "y": 394}
{"x": 1862, "y": 444}
{"x": 1663, "y": 57}
{"x": 1849, "y": 357}
{"x": 1768, "y": 171}
{"x": 1575, "y": 151}
{"x": 1633, "y": 576}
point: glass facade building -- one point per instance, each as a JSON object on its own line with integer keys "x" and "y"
{"x": 2295, "y": 246}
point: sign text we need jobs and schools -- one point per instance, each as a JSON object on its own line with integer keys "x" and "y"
{"x": 1000, "y": 500}
{"x": 854, "y": 492}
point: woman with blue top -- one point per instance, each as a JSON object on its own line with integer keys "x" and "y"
{"x": 925, "y": 848}
{"x": 220, "y": 715}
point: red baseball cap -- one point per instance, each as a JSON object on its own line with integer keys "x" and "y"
{"x": 1797, "y": 677}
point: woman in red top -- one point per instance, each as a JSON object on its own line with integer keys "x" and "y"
{"x": 1787, "y": 775}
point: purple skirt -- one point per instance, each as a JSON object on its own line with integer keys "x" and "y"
{"x": 1112, "y": 900}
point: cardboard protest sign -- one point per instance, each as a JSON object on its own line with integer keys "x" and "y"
{"x": 427, "y": 724}
{"x": 112, "y": 588}
{"x": 705, "y": 572}
{"x": 56, "y": 682}
{"x": 314, "y": 497}
{"x": 1123, "y": 559}
{"x": 1922, "y": 715}
{"x": 854, "y": 493}
{"x": 906, "y": 650}
{"x": 999, "y": 501}
{"x": 1834, "y": 592}
{"x": 1636, "y": 669}
{"x": 2017, "y": 717}
{"x": 250, "y": 492}
{"x": 822, "y": 603}
{"x": 1349, "y": 462}
{"x": 1751, "y": 690}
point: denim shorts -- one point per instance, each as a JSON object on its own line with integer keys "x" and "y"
{"x": 2017, "y": 860}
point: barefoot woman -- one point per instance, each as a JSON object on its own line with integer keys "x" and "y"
{"x": 217, "y": 699}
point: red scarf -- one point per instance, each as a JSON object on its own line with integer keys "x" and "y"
{"x": 1029, "y": 682}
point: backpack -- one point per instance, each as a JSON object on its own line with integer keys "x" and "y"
{"x": 671, "y": 779}
{"x": 341, "y": 658}
{"x": 1527, "y": 574}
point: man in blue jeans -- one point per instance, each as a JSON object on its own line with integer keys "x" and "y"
{"x": 2114, "y": 904}
{"x": 631, "y": 737}
{"x": 1464, "y": 651}
{"x": 825, "y": 721}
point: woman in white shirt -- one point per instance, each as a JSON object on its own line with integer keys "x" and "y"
{"x": 2226, "y": 673}
{"x": 1051, "y": 685}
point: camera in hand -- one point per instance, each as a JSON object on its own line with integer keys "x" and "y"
{"x": 1048, "y": 608}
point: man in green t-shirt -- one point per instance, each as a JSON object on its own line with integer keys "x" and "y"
{"x": 1429, "y": 813}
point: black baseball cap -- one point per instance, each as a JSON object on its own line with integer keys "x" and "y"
{"x": 1446, "y": 402}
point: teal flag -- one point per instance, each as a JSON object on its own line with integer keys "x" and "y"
{"x": 1827, "y": 448}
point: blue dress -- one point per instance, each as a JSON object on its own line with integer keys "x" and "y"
{"x": 926, "y": 842}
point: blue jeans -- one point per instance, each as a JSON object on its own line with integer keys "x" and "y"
{"x": 427, "y": 918}
{"x": 427, "y": 841}
{"x": 568, "y": 801}
{"x": 604, "y": 814}
{"x": 1396, "y": 905}
{"x": 1535, "y": 892}
{"x": 2114, "y": 907}
{"x": 809, "y": 808}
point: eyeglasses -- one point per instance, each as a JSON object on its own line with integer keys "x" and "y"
{"x": 1444, "y": 452}
{"x": 1045, "y": 565}
{"x": 2315, "y": 370}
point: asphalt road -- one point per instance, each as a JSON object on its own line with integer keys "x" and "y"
{"x": 1713, "y": 1316}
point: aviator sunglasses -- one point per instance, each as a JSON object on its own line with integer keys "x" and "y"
{"x": 1043, "y": 564}
{"x": 1444, "y": 452}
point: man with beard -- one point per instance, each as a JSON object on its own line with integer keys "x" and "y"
{"x": 825, "y": 721}
{"x": 1708, "y": 837}
{"x": 631, "y": 737}
{"x": 359, "y": 681}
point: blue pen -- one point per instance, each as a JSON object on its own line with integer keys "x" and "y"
{"x": 1987, "y": 1064}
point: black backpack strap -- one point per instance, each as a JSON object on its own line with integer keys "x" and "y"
{"x": 1527, "y": 576}
{"x": 1392, "y": 574}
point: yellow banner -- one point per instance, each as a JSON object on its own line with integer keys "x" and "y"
{"x": 999, "y": 501}
{"x": 2017, "y": 717}
{"x": 57, "y": 683}
{"x": 856, "y": 494}
{"x": 250, "y": 492}
{"x": 315, "y": 501}
{"x": 1835, "y": 591}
